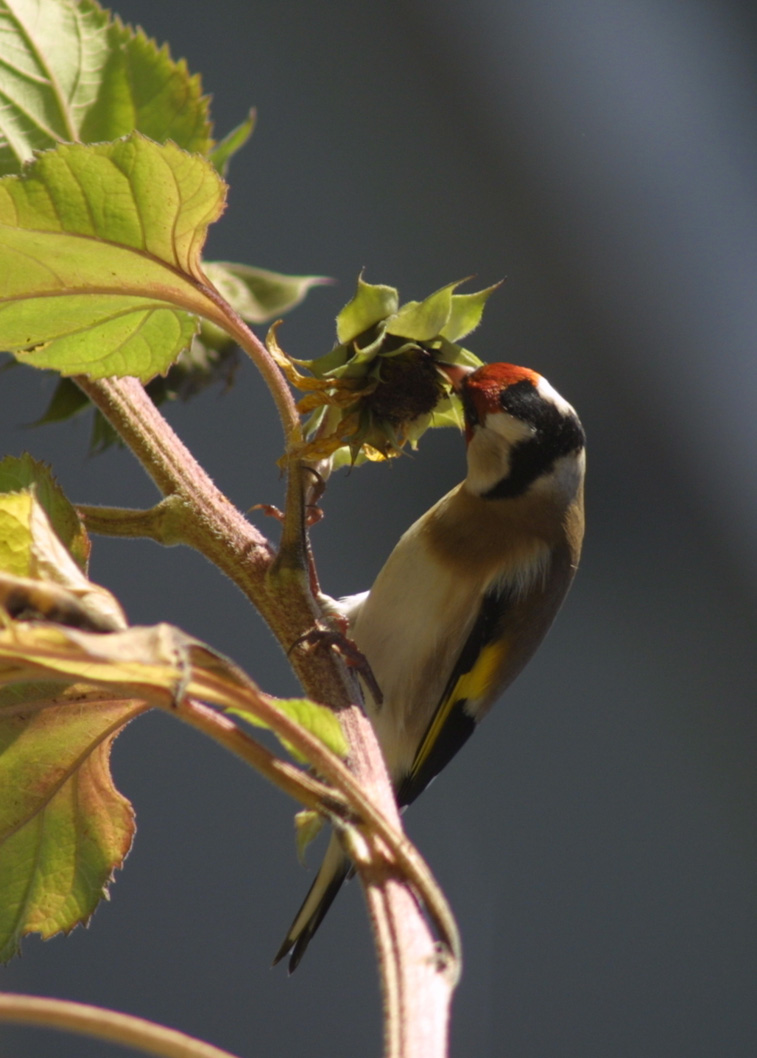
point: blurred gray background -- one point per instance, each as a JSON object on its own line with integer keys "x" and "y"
{"x": 597, "y": 838}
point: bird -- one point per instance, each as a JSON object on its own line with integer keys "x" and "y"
{"x": 467, "y": 594}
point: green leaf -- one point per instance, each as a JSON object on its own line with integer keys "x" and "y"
{"x": 103, "y": 435}
{"x": 380, "y": 387}
{"x": 256, "y": 294}
{"x": 157, "y": 663}
{"x": 100, "y": 248}
{"x": 466, "y": 312}
{"x": 141, "y": 88}
{"x": 319, "y": 720}
{"x": 370, "y": 304}
{"x": 307, "y": 826}
{"x": 67, "y": 400}
{"x": 212, "y": 358}
{"x": 423, "y": 320}
{"x": 16, "y": 547}
{"x": 17, "y": 474}
{"x": 31, "y": 549}
{"x": 336, "y": 362}
{"x": 451, "y": 353}
{"x": 64, "y": 828}
{"x": 68, "y": 72}
{"x": 233, "y": 141}
{"x": 44, "y": 45}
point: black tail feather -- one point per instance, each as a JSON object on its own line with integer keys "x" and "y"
{"x": 297, "y": 940}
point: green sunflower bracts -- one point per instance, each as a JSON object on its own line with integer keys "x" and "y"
{"x": 379, "y": 388}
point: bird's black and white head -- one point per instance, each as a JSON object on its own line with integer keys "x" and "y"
{"x": 522, "y": 436}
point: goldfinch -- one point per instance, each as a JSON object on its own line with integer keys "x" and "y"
{"x": 468, "y": 593}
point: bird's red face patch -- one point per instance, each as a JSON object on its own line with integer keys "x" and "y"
{"x": 481, "y": 389}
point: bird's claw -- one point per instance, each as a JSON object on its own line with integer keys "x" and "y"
{"x": 318, "y": 638}
{"x": 313, "y": 513}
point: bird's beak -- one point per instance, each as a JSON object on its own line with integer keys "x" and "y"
{"x": 454, "y": 373}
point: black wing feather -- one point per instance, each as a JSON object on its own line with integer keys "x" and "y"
{"x": 452, "y": 723}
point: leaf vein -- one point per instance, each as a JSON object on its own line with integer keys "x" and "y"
{"x": 43, "y": 65}
{"x": 25, "y": 902}
{"x": 71, "y": 770}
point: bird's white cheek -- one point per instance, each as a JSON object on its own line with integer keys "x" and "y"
{"x": 489, "y": 450}
{"x": 565, "y": 479}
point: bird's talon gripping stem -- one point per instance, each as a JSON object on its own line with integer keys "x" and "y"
{"x": 319, "y": 638}
{"x": 313, "y": 513}
{"x": 315, "y": 490}
{"x": 269, "y": 510}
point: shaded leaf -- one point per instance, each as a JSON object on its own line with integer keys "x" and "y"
{"x": 256, "y": 294}
{"x": 67, "y": 400}
{"x": 102, "y": 246}
{"x": 64, "y": 828}
{"x": 30, "y": 548}
{"x": 103, "y": 435}
{"x": 159, "y": 663}
{"x": 211, "y": 359}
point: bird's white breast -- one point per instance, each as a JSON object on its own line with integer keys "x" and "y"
{"x": 411, "y": 628}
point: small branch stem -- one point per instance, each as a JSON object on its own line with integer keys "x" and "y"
{"x": 293, "y": 544}
{"x": 235, "y": 326}
{"x": 295, "y": 782}
{"x": 103, "y": 1024}
{"x": 201, "y": 515}
{"x": 417, "y": 984}
{"x": 130, "y": 411}
{"x": 367, "y": 797}
{"x": 413, "y": 978}
{"x": 158, "y": 523}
